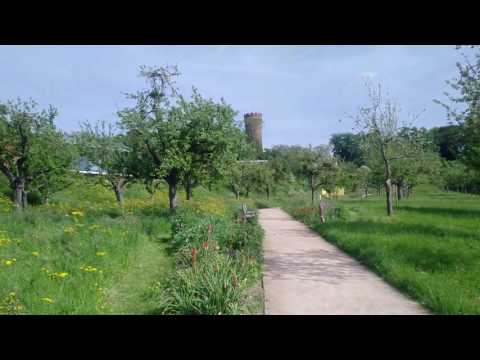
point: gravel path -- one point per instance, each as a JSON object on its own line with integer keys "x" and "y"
{"x": 304, "y": 274}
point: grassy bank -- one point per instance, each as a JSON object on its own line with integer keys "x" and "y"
{"x": 63, "y": 258}
{"x": 429, "y": 249}
{"x": 83, "y": 254}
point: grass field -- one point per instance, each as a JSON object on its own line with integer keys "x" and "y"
{"x": 430, "y": 248}
{"x": 83, "y": 254}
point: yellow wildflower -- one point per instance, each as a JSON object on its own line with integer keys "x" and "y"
{"x": 9, "y": 262}
{"x": 45, "y": 270}
{"x": 4, "y": 240}
{"x": 47, "y": 300}
{"x": 60, "y": 275}
{"x": 88, "y": 268}
{"x": 35, "y": 253}
{"x": 69, "y": 230}
{"x": 101, "y": 253}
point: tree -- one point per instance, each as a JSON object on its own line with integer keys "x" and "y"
{"x": 107, "y": 150}
{"x": 51, "y": 165}
{"x": 363, "y": 174}
{"x": 185, "y": 143}
{"x": 212, "y": 138}
{"x": 382, "y": 143}
{"x": 287, "y": 159}
{"x": 407, "y": 173}
{"x": 319, "y": 168}
{"x": 261, "y": 177}
{"x": 468, "y": 87}
{"x": 346, "y": 146}
{"x": 449, "y": 141}
{"x": 236, "y": 179}
{"x": 456, "y": 176}
{"x": 33, "y": 154}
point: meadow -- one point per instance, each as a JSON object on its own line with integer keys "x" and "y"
{"x": 84, "y": 254}
{"x": 429, "y": 249}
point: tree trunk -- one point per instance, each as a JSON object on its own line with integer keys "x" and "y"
{"x": 388, "y": 192}
{"x": 321, "y": 208}
{"x": 172, "y": 192}
{"x": 237, "y": 195}
{"x": 24, "y": 199}
{"x": 268, "y": 193}
{"x": 119, "y": 193}
{"x": 19, "y": 196}
{"x": 188, "y": 190}
{"x": 399, "y": 191}
{"x": 312, "y": 188}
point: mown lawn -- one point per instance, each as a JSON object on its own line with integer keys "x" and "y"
{"x": 430, "y": 248}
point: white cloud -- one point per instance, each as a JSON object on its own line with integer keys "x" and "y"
{"x": 369, "y": 74}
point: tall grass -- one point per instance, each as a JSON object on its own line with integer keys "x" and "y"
{"x": 63, "y": 258}
{"x": 84, "y": 254}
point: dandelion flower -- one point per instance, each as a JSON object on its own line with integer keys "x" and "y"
{"x": 60, "y": 275}
{"x": 9, "y": 262}
{"x": 88, "y": 268}
{"x": 69, "y": 230}
{"x": 101, "y": 253}
{"x": 35, "y": 253}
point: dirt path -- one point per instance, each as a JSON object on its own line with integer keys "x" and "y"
{"x": 304, "y": 274}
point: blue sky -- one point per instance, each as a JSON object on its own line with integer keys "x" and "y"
{"x": 302, "y": 91}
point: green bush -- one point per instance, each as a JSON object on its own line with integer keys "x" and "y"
{"x": 217, "y": 260}
{"x": 191, "y": 229}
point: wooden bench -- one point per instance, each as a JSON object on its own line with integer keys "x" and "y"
{"x": 248, "y": 214}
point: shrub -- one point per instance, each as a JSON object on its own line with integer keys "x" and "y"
{"x": 190, "y": 229}
{"x": 217, "y": 258}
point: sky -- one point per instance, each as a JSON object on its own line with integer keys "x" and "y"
{"x": 305, "y": 93}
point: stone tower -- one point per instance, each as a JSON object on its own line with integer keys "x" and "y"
{"x": 253, "y": 128}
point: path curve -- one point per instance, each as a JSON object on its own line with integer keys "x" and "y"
{"x": 304, "y": 274}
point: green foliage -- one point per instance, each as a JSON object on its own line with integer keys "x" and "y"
{"x": 191, "y": 229}
{"x": 346, "y": 146}
{"x": 218, "y": 259}
{"x": 467, "y": 88}
{"x": 449, "y": 141}
{"x": 110, "y": 153}
{"x": 192, "y": 141}
{"x": 319, "y": 169}
{"x": 34, "y": 155}
{"x": 456, "y": 176}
